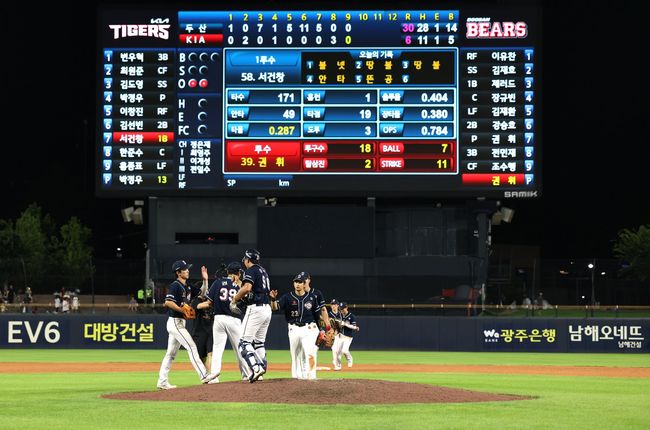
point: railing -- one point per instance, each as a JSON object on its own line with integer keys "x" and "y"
{"x": 438, "y": 309}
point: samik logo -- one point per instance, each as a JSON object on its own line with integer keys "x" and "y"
{"x": 159, "y": 28}
{"x": 491, "y": 336}
{"x": 483, "y": 28}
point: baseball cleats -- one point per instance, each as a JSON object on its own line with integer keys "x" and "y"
{"x": 214, "y": 381}
{"x": 257, "y": 374}
{"x": 209, "y": 377}
{"x": 165, "y": 386}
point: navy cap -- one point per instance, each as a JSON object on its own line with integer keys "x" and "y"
{"x": 334, "y": 302}
{"x": 233, "y": 267}
{"x": 300, "y": 277}
{"x": 180, "y": 265}
{"x": 252, "y": 254}
{"x": 343, "y": 305}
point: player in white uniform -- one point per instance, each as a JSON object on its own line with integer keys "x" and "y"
{"x": 324, "y": 324}
{"x": 226, "y": 325}
{"x": 300, "y": 310}
{"x": 178, "y": 334}
{"x": 336, "y": 320}
{"x": 348, "y": 328}
{"x": 256, "y": 285}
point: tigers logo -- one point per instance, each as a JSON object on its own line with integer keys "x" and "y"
{"x": 159, "y": 28}
{"x": 482, "y": 28}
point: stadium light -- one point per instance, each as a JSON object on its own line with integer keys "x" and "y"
{"x": 591, "y": 267}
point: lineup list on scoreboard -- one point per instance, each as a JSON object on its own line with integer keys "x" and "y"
{"x": 230, "y": 94}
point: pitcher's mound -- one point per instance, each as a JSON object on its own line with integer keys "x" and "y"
{"x": 323, "y": 391}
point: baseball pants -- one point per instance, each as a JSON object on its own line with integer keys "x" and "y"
{"x": 178, "y": 335}
{"x": 342, "y": 343}
{"x": 230, "y": 328}
{"x": 301, "y": 343}
{"x": 254, "y": 327}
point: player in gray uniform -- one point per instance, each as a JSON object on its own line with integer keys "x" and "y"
{"x": 178, "y": 334}
{"x": 348, "y": 328}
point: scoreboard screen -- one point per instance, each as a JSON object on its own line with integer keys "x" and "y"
{"x": 437, "y": 102}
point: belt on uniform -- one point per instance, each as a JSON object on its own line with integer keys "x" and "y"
{"x": 259, "y": 304}
{"x": 302, "y": 324}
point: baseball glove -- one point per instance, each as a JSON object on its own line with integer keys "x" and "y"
{"x": 336, "y": 324}
{"x": 188, "y": 312}
{"x": 325, "y": 338}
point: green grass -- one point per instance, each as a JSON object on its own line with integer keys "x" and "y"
{"x": 71, "y": 401}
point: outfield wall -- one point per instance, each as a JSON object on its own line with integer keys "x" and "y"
{"x": 423, "y": 333}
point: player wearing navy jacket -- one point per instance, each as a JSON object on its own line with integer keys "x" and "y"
{"x": 348, "y": 328}
{"x": 335, "y": 319}
{"x": 322, "y": 315}
{"x": 178, "y": 334}
{"x": 202, "y": 324}
{"x": 226, "y": 326}
{"x": 300, "y": 310}
{"x": 256, "y": 285}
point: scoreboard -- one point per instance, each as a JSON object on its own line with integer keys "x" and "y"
{"x": 438, "y": 102}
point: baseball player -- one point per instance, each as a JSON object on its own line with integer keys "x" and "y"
{"x": 226, "y": 326}
{"x": 202, "y": 324}
{"x": 258, "y": 314}
{"x": 335, "y": 316}
{"x": 300, "y": 310}
{"x": 348, "y": 328}
{"x": 324, "y": 318}
{"x": 178, "y": 334}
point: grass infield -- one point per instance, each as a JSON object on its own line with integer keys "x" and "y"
{"x": 71, "y": 400}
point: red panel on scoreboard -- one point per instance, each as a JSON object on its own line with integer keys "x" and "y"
{"x": 391, "y": 147}
{"x": 262, "y": 156}
{"x": 201, "y": 39}
{"x": 143, "y": 137}
{"x": 391, "y": 163}
{"x": 494, "y": 179}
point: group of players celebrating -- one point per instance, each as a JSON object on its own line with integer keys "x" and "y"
{"x": 238, "y": 307}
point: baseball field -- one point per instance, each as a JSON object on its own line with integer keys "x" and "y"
{"x": 64, "y": 389}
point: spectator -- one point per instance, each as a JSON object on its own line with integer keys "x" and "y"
{"x": 75, "y": 304}
{"x": 65, "y": 305}
{"x": 133, "y": 304}
{"x": 148, "y": 292}
{"x": 57, "y": 303}
{"x": 10, "y": 293}
{"x": 27, "y": 300}
{"x": 526, "y": 303}
{"x": 539, "y": 302}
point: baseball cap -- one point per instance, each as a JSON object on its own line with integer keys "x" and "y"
{"x": 180, "y": 265}
{"x": 300, "y": 277}
{"x": 233, "y": 267}
{"x": 252, "y": 254}
{"x": 343, "y": 305}
{"x": 334, "y": 302}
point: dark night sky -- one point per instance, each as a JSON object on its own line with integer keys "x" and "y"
{"x": 594, "y": 96}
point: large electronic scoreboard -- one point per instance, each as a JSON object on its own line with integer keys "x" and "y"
{"x": 438, "y": 102}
